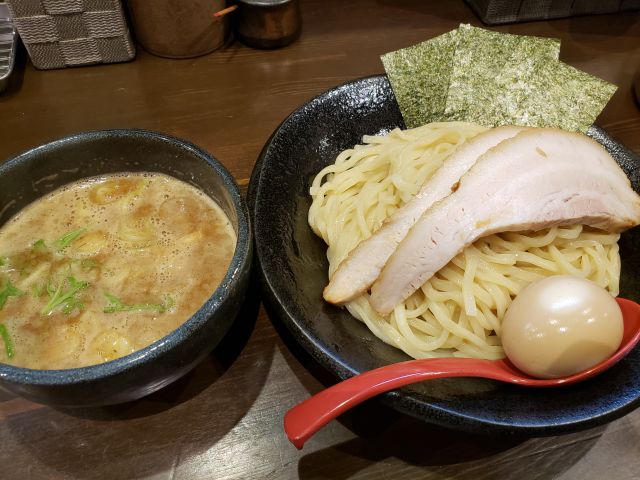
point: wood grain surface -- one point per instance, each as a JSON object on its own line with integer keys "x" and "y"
{"x": 224, "y": 419}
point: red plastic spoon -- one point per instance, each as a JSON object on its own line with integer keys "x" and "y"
{"x": 306, "y": 418}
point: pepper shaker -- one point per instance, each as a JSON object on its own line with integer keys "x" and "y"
{"x": 268, "y": 23}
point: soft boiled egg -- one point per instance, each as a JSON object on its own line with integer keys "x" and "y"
{"x": 561, "y": 325}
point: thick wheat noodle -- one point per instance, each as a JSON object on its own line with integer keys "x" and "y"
{"x": 459, "y": 310}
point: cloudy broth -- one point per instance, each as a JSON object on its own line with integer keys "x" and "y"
{"x": 106, "y": 266}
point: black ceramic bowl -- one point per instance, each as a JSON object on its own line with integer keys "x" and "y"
{"x": 36, "y": 172}
{"x": 293, "y": 268}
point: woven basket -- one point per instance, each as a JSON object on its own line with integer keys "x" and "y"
{"x": 495, "y": 12}
{"x": 67, "y": 33}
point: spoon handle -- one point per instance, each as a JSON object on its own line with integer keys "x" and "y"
{"x": 306, "y": 418}
{"x": 309, "y": 416}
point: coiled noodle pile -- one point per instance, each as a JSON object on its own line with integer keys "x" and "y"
{"x": 459, "y": 310}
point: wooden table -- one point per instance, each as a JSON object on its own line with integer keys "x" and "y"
{"x": 224, "y": 420}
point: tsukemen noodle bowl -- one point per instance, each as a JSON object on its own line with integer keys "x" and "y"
{"x": 124, "y": 258}
{"x": 293, "y": 267}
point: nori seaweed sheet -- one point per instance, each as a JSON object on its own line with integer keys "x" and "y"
{"x": 490, "y": 78}
{"x": 485, "y": 65}
{"x": 419, "y": 76}
{"x": 544, "y": 94}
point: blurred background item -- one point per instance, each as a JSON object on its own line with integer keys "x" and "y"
{"x": 495, "y": 12}
{"x": 67, "y": 33}
{"x": 8, "y": 45}
{"x": 268, "y": 23}
{"x": 636, "y": 86}
{"x": 179, "y": 28}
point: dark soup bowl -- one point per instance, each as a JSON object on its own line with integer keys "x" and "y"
{"x": 37, "y": 172}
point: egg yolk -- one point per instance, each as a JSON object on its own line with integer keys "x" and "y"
{"x": 561, "y": 325}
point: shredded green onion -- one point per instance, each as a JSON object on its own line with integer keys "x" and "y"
{"x": 67, "y": 239}
{"x": 9, "y": 290}
{"x": 8, "y": 344}
{"x": 117, "y": 305}
{"x": 39, "y": 246}
{"x": 67, "y": 299}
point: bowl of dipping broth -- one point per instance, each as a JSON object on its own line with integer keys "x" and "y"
{"x": 124, "y": 258}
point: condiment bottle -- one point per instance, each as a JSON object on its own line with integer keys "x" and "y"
{"x": 179, "y": 28}
{"x": 267, "y": 23}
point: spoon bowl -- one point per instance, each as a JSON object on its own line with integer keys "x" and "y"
{"x": 305, "y": 419}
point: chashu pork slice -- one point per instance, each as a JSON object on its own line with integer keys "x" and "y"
{"x": 537, "y": 179}
{"x": 357, "y": 272}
